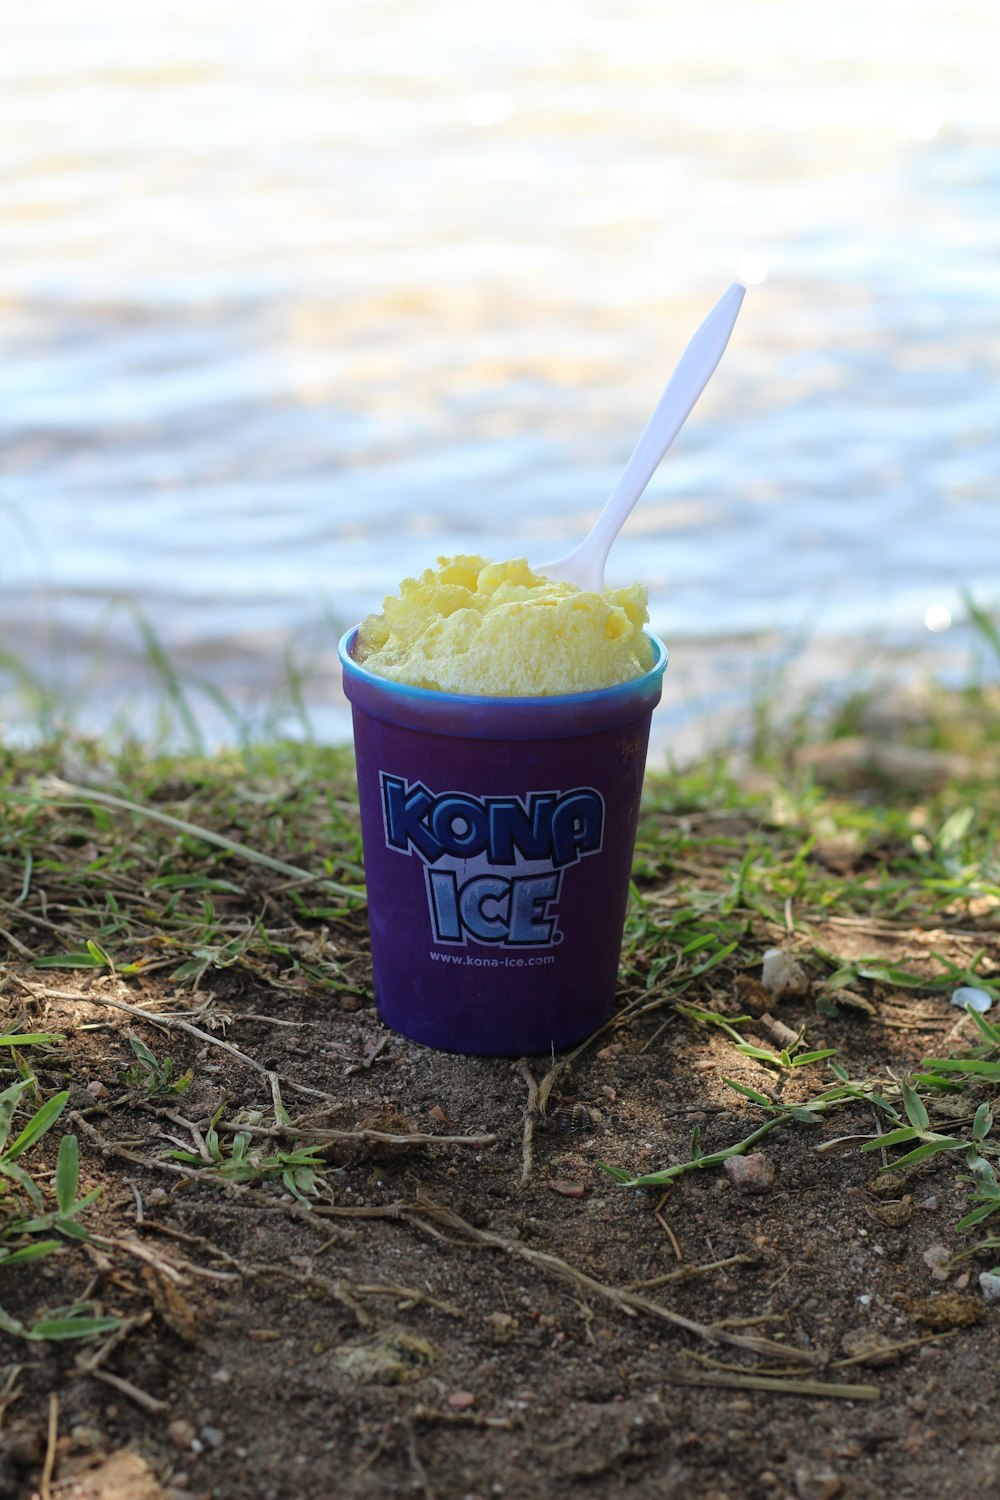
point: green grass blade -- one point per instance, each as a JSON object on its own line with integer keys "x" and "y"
{"x": 28, "y": 1252}
{"x": 989, "y": 1072}
{"x": 23, "y": 1179}
{"x": 81, "y": 959}
{"x": 67, "y": 1173}
{"x": 39, "y": 1124}
{"x": 72, "y": 1328}
{"x": 31, "y": 1038}
{"x": 891, "y": 1138}
{"x": 978, "y": 1215}
{"x": 916, "y": 1111}
{"x": 930, "y": 1148}
{"x": 749, "y": 1093}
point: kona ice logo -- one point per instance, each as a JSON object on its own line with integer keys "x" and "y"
{"x": 493, "y": 866}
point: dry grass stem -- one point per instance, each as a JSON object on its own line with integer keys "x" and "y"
{"x": 779, "y": 1385}
{"x": 52, "y": 1439}
{"x": 631, "y": 1303}
{"x": 531, "y": 1110}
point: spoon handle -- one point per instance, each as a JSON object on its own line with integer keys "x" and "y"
{"x": 693, "y": 372}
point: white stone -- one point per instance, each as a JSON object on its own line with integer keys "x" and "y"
{"x": 978, "y": 999}
{"x": 782, "y": 975}
{"x": 989, "y": 1285}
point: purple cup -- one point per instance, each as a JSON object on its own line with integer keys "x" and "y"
{"x": 498, "y": 837}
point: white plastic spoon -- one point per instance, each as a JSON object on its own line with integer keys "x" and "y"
{"x": 584, "y": 566}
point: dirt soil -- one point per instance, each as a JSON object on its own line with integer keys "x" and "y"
{"x": 488, "y": 1313}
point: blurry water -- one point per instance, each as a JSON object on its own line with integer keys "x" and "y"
{"x": 295, "y": 300}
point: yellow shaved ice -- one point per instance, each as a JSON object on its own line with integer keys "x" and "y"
{"x": 500, "y": 630}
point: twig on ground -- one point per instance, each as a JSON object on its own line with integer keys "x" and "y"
{"x": 531, "y": 1111}
{"x": 459, "y": 1418}
{"x": 54, "y": 787}
{"x": 346, "y": 1292}
{"x": 89, "y": 1364}
{"x": 885, "y": 1350}
{"x": 777, "y": 1032}
{"x": 340, "y": 1291}
{"x": 631, "y": 1303}
{"x": 173, "y": 1270}
{"x": 17, "y": 945}
{"x": 194, "y": 1132}
{"x": 781, "y": 1385}
{"x": 685, "y": 1273}
{"x": 193, "y": 1174}
{"x": 364, "y": 1066}
{"x": 142, "y": 1252}
{"x": 879, "y": 1132}
{"x": 192, "y": 1239}
{"x": 251, "y": 1015}
{"x": 175, "y": 1023}
{"x": 564, "y": 1066}
{"x": 133, "y": 1392}
{"x": 670, "y": 1235}
{"x": 45, "y": 1483}
{"x": 377, "y": 1451}
{"x": 417, "y": 1138}
{"x": 110, "y": 1148}
{"x": 419, "y": 1472}
{"x": 9, "y": 1391}
{"x": 407, "y": 1294}
{"x": 902, "y": 928}
{"x": 656, "y": 1035}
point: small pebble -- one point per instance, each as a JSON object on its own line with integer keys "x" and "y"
{"x": 989, "y": 1285}
{"x": 223, "y": 1377}
{"x": 937, "y": 1257}
{"x": 782, "y": 975}
{"x": 567, "y": 1189}
{"x": 929, "y": 1204}
{"x": 96, "y": 1089}
{"x": 821, "y": 1485}
{"x": 461, "y": 1400}
{"x": 213, "y": 1436}
{"x": 752, "y": 1174}
{"x": 181, "y": 1433}
{"x": 86, "y": 1437}
{"x": 978, "y": 999}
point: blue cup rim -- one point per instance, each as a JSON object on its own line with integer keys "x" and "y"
{"x": 403, "y": 692}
